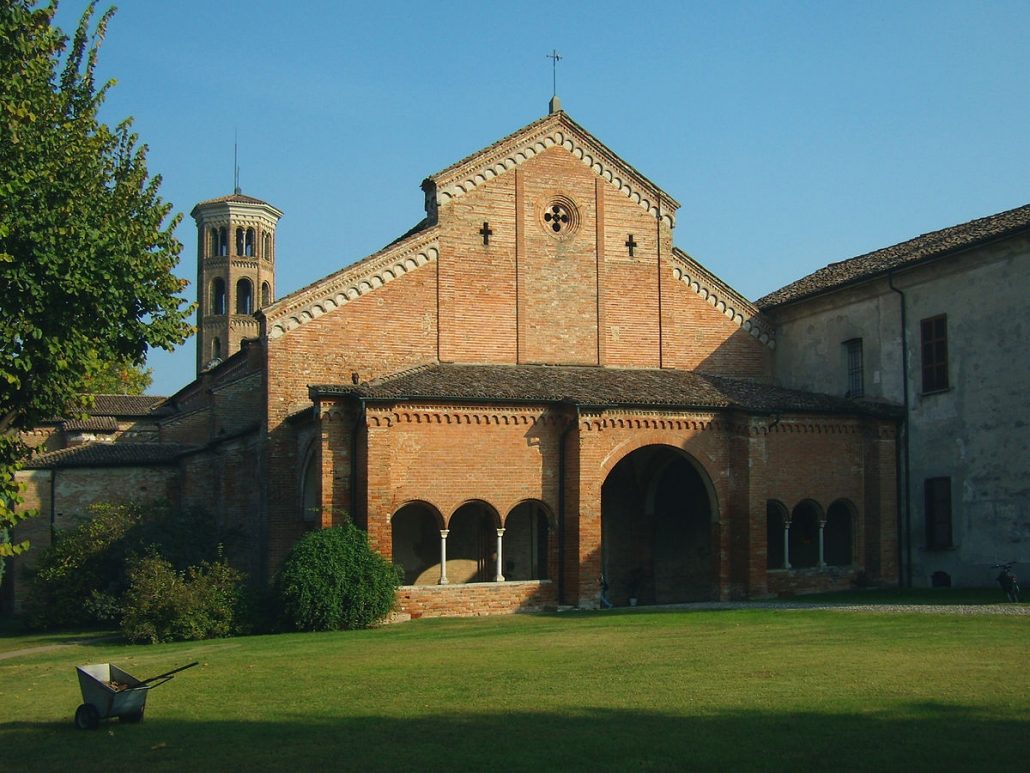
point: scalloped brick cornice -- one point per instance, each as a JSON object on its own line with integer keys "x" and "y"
{"x": 351, "y": 283}
{"x": 723, "y": 298}
{"x": 556, "y": 130}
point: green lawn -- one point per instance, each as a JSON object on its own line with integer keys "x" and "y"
{"x": 641, "y": 689}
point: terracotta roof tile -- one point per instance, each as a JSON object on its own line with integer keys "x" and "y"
{"x": 124, "y": 405}
{"x": 110, "y": 455}
{"x": 233, "y": 198}
{"x": 594, "y": 386}
{"x": 925, "y": 247}
{"x": 91, "y": 423}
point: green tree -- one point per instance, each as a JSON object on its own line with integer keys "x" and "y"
{"x": 86, "y": 243}
{"x": 121, "y": 377}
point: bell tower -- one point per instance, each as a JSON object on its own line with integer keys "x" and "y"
{"x": 235, "y": 271}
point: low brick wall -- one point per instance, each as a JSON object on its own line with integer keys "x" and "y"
{"x": 475, "y": 599}
{"x": 788, "y": 582}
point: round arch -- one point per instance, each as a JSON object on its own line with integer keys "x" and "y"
{"x": 629, "y": 447}
{"x": 415, "y": 542}
{"x": 658, "y": 518}
{"x": 838, "y": 535}
{"x": 311, "y": 487}
{"x": 472, "y": 542}
{"x": 804, "y": 534}
{"x": 527, "y": 541}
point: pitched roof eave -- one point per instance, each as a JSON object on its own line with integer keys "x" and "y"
{"x": 925, "y": 248}
{"x": 555, "y": 130}
{"x": 592, "y": 386}
{"x": 723, "y": 298}
{"x": 406, "y": 254}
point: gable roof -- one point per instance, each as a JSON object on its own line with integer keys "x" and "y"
{"x": 556, "y": 129}
{"x": 593, "y": 386}
{"x": 110, "y": 455}
{"x": 125, "y": 405}
{"x": 722, "y": 297}
{"x": 929, "y": 246}
{"x": 419, "y": 246}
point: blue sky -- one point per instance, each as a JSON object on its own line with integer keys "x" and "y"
{"x": 794, "y": 134}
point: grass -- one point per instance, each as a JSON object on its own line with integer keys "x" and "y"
{"x": 641, "y": 689}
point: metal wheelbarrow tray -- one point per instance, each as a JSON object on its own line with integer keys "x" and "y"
{"x": 107, "y": 692}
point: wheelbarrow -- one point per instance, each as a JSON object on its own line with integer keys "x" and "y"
{"x": 107, "y": 692}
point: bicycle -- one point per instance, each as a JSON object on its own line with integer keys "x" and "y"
{"x": 1007, "y": 580}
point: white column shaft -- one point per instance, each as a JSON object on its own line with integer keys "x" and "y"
{"x": 443, "y": 557}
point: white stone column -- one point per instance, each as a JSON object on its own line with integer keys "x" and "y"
{"x": 786, "y": 544}
{"x": 499, "y": 577}
{"x": 443, "y": 556}
{"x": 822, "y": 553}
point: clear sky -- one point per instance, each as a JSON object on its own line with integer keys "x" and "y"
{"x": 794, "y": 134}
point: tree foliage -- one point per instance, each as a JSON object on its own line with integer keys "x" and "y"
{"x": 119, "y": 377}
{"x": 86, "y": 243}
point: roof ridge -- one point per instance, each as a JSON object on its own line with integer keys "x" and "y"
{"x": 554, "y": 130}
{"x": 927, "y": 246}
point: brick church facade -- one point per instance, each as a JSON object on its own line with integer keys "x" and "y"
{"x": 531, "y": 399}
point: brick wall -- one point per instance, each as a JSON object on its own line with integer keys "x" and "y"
{"x": 66, "y": 502}
{"x": 475, "y": 599}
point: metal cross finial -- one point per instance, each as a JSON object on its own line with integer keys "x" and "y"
{"x": 555, "y": 57}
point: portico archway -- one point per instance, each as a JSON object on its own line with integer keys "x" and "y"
{"x": 657, "y": 508}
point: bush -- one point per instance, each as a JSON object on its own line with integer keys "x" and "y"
{"x": 332, "y": 579}
{"x": 81, "y": 564}
{"x": 163, "y": 604}
{"x": 81, "y": 578}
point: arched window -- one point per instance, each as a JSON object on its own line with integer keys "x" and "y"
{"x": 775, "y": 528}
{"x": 248, "y": 246}
{"x": 837, "y": 537}
{"x": 310, "y": 504}
{"x": 415, "y": 542}
{"x": 212, "y": 248}
{"x": 216, "y": 349}
{"x": 239, "y": 241}
{"x": 266, "y": 294}
{"x": 472, "y": 544}
{"x": 218, "y": 296}
{"x": 223, "y": 242}
{"x": 526, "y": 536}
{"x": 244, "y": 297}
{"x": 266, "y": 246}
{"x": 804, "y": 535}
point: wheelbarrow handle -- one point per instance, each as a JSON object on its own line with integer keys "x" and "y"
{"x": 168, "y": 674}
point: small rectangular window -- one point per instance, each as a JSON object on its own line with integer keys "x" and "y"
{"x": 855, "y": 375}
{"x": 934, "y": 335}
{"x": 937, "y": 508}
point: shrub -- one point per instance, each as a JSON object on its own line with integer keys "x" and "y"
{"x": 332, "y": 579}
{"x": 81, "y": 578}
{"x": 81, "y": 564}
{"x": 165, "y": 604}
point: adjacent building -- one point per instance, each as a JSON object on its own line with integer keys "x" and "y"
{"x": 934, "y": 324}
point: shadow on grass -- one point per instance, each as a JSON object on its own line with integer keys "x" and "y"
{"x": 917, "y": 736}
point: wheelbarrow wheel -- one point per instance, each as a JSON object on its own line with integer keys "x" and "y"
{"x": 133, "y": 718}
{"x": 87, "y": 717}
